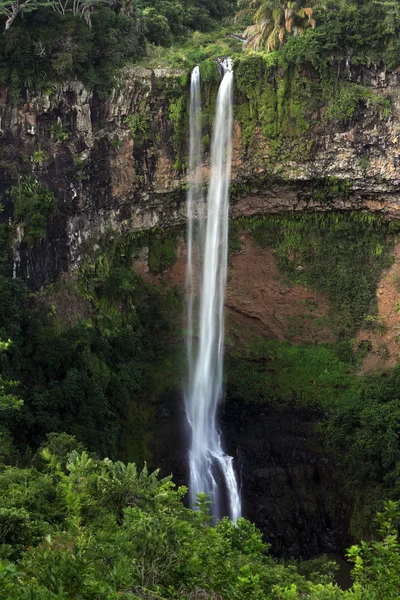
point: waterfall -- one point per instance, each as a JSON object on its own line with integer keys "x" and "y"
{"x": 195, "y": 207}
{"x": 211, "y": 470}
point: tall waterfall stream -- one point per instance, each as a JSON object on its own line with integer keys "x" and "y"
{"x": 211, "y": 469}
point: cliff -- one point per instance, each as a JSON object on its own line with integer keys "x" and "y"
{"x": 117, "y": 163}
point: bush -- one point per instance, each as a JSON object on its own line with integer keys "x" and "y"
{"x": 157, "y": 28}
{"x": 349, "y": 98}
{"x": 34, "y": 204}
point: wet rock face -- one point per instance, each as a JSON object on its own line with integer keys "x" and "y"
{"x": 289, "y": 486}
{"x": 287, "y": 482}
{"x": 110, "y": 172}
{"x": 102, "y": 174}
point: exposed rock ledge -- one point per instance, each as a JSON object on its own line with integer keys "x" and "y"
{"x": 106, "y": 179}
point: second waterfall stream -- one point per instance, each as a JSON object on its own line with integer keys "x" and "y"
{"x": 211, "y": 469}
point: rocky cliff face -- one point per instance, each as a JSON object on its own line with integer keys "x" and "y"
{"x": 117, "y": 163}
{"x": 104, "y": 173}
{"x": 289, "y": 486}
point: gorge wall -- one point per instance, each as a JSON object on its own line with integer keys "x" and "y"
{"x": 116, "y": 166}
{"x": 117, "y": 163}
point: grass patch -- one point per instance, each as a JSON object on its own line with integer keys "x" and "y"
{"x": 281, "y": 374}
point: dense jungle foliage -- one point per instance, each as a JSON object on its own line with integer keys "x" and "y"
{"x": 91, "y": 379}
{"x": 90, "y": 40}
{"x": 76, "y": 527}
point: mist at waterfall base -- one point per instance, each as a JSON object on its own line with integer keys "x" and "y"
{"x": 211, "y": 469}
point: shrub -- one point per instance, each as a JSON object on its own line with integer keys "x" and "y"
{"x": 34, "y": 205}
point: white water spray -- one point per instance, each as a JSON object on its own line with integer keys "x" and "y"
{"x": 211, "y": 470}
{"x": 195, "y": 206}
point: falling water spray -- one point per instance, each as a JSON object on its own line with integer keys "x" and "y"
{"x": 211, "y": 470}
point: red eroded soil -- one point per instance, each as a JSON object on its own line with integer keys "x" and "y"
{"x": 257, "y": 293}
{"x": 385, "y": 340}
{"x": 259, "y": 301}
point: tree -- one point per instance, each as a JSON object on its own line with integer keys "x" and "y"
{"x": 246, "y": 10}
{"x": 9, "y": 404}
{"x": 83, "y": 8}
{"x": 377, "y": 563}
{"x": 34, "y": 205}
{"x": 12, "y": 8}
{"x": 392, "y": 15}
{"x": 274, "y": 20}
{"x": 7, "y": 400}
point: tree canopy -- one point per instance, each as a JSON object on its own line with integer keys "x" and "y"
{"x": 75, "y": 527}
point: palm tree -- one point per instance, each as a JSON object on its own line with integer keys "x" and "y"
{"x": 247, "y": 9}
{"x": 275, "y": 20}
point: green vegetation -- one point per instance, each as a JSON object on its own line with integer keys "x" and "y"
{"x": 39, "y": 157}
{"x": 119, "y": 531}
{"x": 292, "y": 83}
{"x": 258, "y": 99}
{"x": 330, "y": 188}
{"x": 51, "y": 41}
{"x": 362, "y": 431}
{"x": 73, "y": 525}
{"x": 275, "y": 20}
{"x": 76, "y": 527}
{"x": 339, "y": 254}
{"x": 45, "y": 42}
{"x": 139, "y": 124}
{"x": 162, "y": 253}
{"x": 8, "y": 401}
{"x": 34, "y": 205}
{"x": 59, "y": 132}
{"x": 92, "y": 379}
{"x": 347, "y": 100}
{"x": 284, "y": 375}
{"x": 366, "y": 30}
{"x": 282, "y": 91}
{"x": 278, "y": 97}
{"x": 199, "y": 47}
{"x": 359, "y": 415}
{"x": 178, "y": 118}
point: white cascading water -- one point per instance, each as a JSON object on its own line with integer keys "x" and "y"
{"x": 211, "y": 470}
{"x": 195, "y": 211}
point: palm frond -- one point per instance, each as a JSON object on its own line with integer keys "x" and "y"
{"x": 272, "y": 41}
{"x": 262, "y": 13}
{"x": 273, "y": 20}
{"x": 278, "y": 16}
{"x": 256, "y": 35}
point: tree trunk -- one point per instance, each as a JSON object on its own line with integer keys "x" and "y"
{"x": 11, "y": 18}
